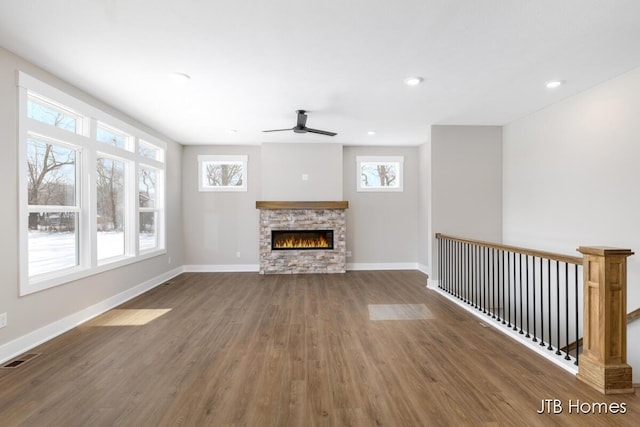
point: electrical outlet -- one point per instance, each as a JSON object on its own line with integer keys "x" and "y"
{"x": 238, "y": 254}
{"x": 3, "y": 320}
{"x": 305, "y": 177}
{"x": 348, "y": 254}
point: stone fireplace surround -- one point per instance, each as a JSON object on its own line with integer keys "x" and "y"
{"x": 303, "y": 216}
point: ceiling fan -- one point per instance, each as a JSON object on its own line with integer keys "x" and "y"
{"x": 301, "y": 127}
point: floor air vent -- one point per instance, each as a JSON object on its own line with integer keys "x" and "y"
{"x": 21, "y": 360}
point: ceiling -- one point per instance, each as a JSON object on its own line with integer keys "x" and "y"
{"x": 253, "y": 63}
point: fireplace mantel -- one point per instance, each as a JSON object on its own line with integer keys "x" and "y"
{"x": 302, "y": 205}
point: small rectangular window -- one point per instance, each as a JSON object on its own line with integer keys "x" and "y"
{"x": 149, "y": 151}
{"x": 222, "y": 173}
{"x": 49, "y": 113}
{"x": 111, "y": 136}
{"x": 379, "y": 173}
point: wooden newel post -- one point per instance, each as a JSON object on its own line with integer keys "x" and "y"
{"x": 603, "y": 363}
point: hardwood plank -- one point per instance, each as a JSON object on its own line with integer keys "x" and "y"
{"x": 241, "y": 349}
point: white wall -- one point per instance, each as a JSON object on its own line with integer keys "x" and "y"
{"x": 571, "y": 179}
{"x": 466, "y": 183}
{"x": 284, "y": 164}
{"x": 56, "y": 307}
{"x": 424, "y": 207}
{"x": 382, "y": 227}
{"x": 218, "y": 225}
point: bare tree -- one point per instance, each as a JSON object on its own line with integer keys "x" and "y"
{"x": 147, "y": 183}
{"x": 225, "y": 174}
{"x": 386, "y": 174}
{"x": 47, "y": 185}
{"x": 110, "y": 189}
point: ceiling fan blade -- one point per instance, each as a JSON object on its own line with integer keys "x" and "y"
{"x": 302, "y": 118}
{"x": 321, "y": 132}
{"x": 277, "y": 130}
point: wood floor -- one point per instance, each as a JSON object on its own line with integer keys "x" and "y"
{"x": 240, "y": 349}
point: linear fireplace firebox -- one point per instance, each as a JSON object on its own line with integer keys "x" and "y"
{"x": 282, "y": 240}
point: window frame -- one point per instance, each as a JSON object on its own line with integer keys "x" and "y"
{"x": 222, "y": 159}
{"x": 362, "y": 160}
{"x": 89, "y": 149}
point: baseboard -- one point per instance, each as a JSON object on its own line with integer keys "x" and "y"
{"x": 433, "y": 284}
{"x": 424, "y": 269}
{"x": 382, "y": 266}
{"x": 221, "y": 268}
{"x": 26, "y": 342}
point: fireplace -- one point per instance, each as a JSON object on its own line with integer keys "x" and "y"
{"x": 283, "y": 240}
{"x": 302, "y": 237}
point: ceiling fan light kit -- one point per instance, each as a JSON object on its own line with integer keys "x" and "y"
{"x": 301, "y": 126}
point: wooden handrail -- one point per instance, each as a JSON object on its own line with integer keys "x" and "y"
{"x": 541, "y": 254}
{"x": 634, "y": 315}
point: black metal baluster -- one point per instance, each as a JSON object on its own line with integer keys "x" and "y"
{"x": 526, "y": 277}
{"x": 577, "y": 316}
{"x": 508, "y": 289}
{"x": 533, "y": 287}
{"x": 558, "y": 352}
{"x": 439, "y": 260}
{"x": 448, "y": 266}
{"x": 515, "y": 298}
{"x": 566, "y": 315}
{"x": 486, "y": 280}
{"x": 468, "y": 284}
{"x": 541, "y": 306}
{"x": 500, "y": 282}
{"x": 476, "y": 278}
{"x": 493, "y": 283}
{"x": 549, "y": 301}
{"x": 521, "y": 297}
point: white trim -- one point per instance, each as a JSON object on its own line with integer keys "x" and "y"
{"x": 222, "y": 159}
{"x": 433, "y": 284}
{"x": 424, "y": 269}
{"x": 567, "y": 365}
{"x": 380, "y": 159}
{"x": 28, "y": 341}
{"x": 358, "y": 266}
{"x": 221, "y": 268}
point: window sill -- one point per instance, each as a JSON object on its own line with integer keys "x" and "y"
{"x": 69, "y": 275}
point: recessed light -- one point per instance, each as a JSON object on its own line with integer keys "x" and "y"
{"x": 180, "y": 77}
{"x": 371, "y": 132}
{"x": 552, "y": 84}
{"x": 413, "y": 81}
{"x": 231, "y": 131}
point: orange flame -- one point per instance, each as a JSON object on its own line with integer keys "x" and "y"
{"x": 299, "y": 242}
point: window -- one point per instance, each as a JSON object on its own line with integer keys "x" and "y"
{"x": 45, "y": 111}
{"x": 52, "y": 206}
{"x": 108, "y": 135}
{"x": 379, "y": 173}
{"x": 91, "y": 189}
{"x": 222, "y": 173}
{"x": 148, "y": 204}
{"x": 110, "y": 189}
{"x": 149, "y": 151}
